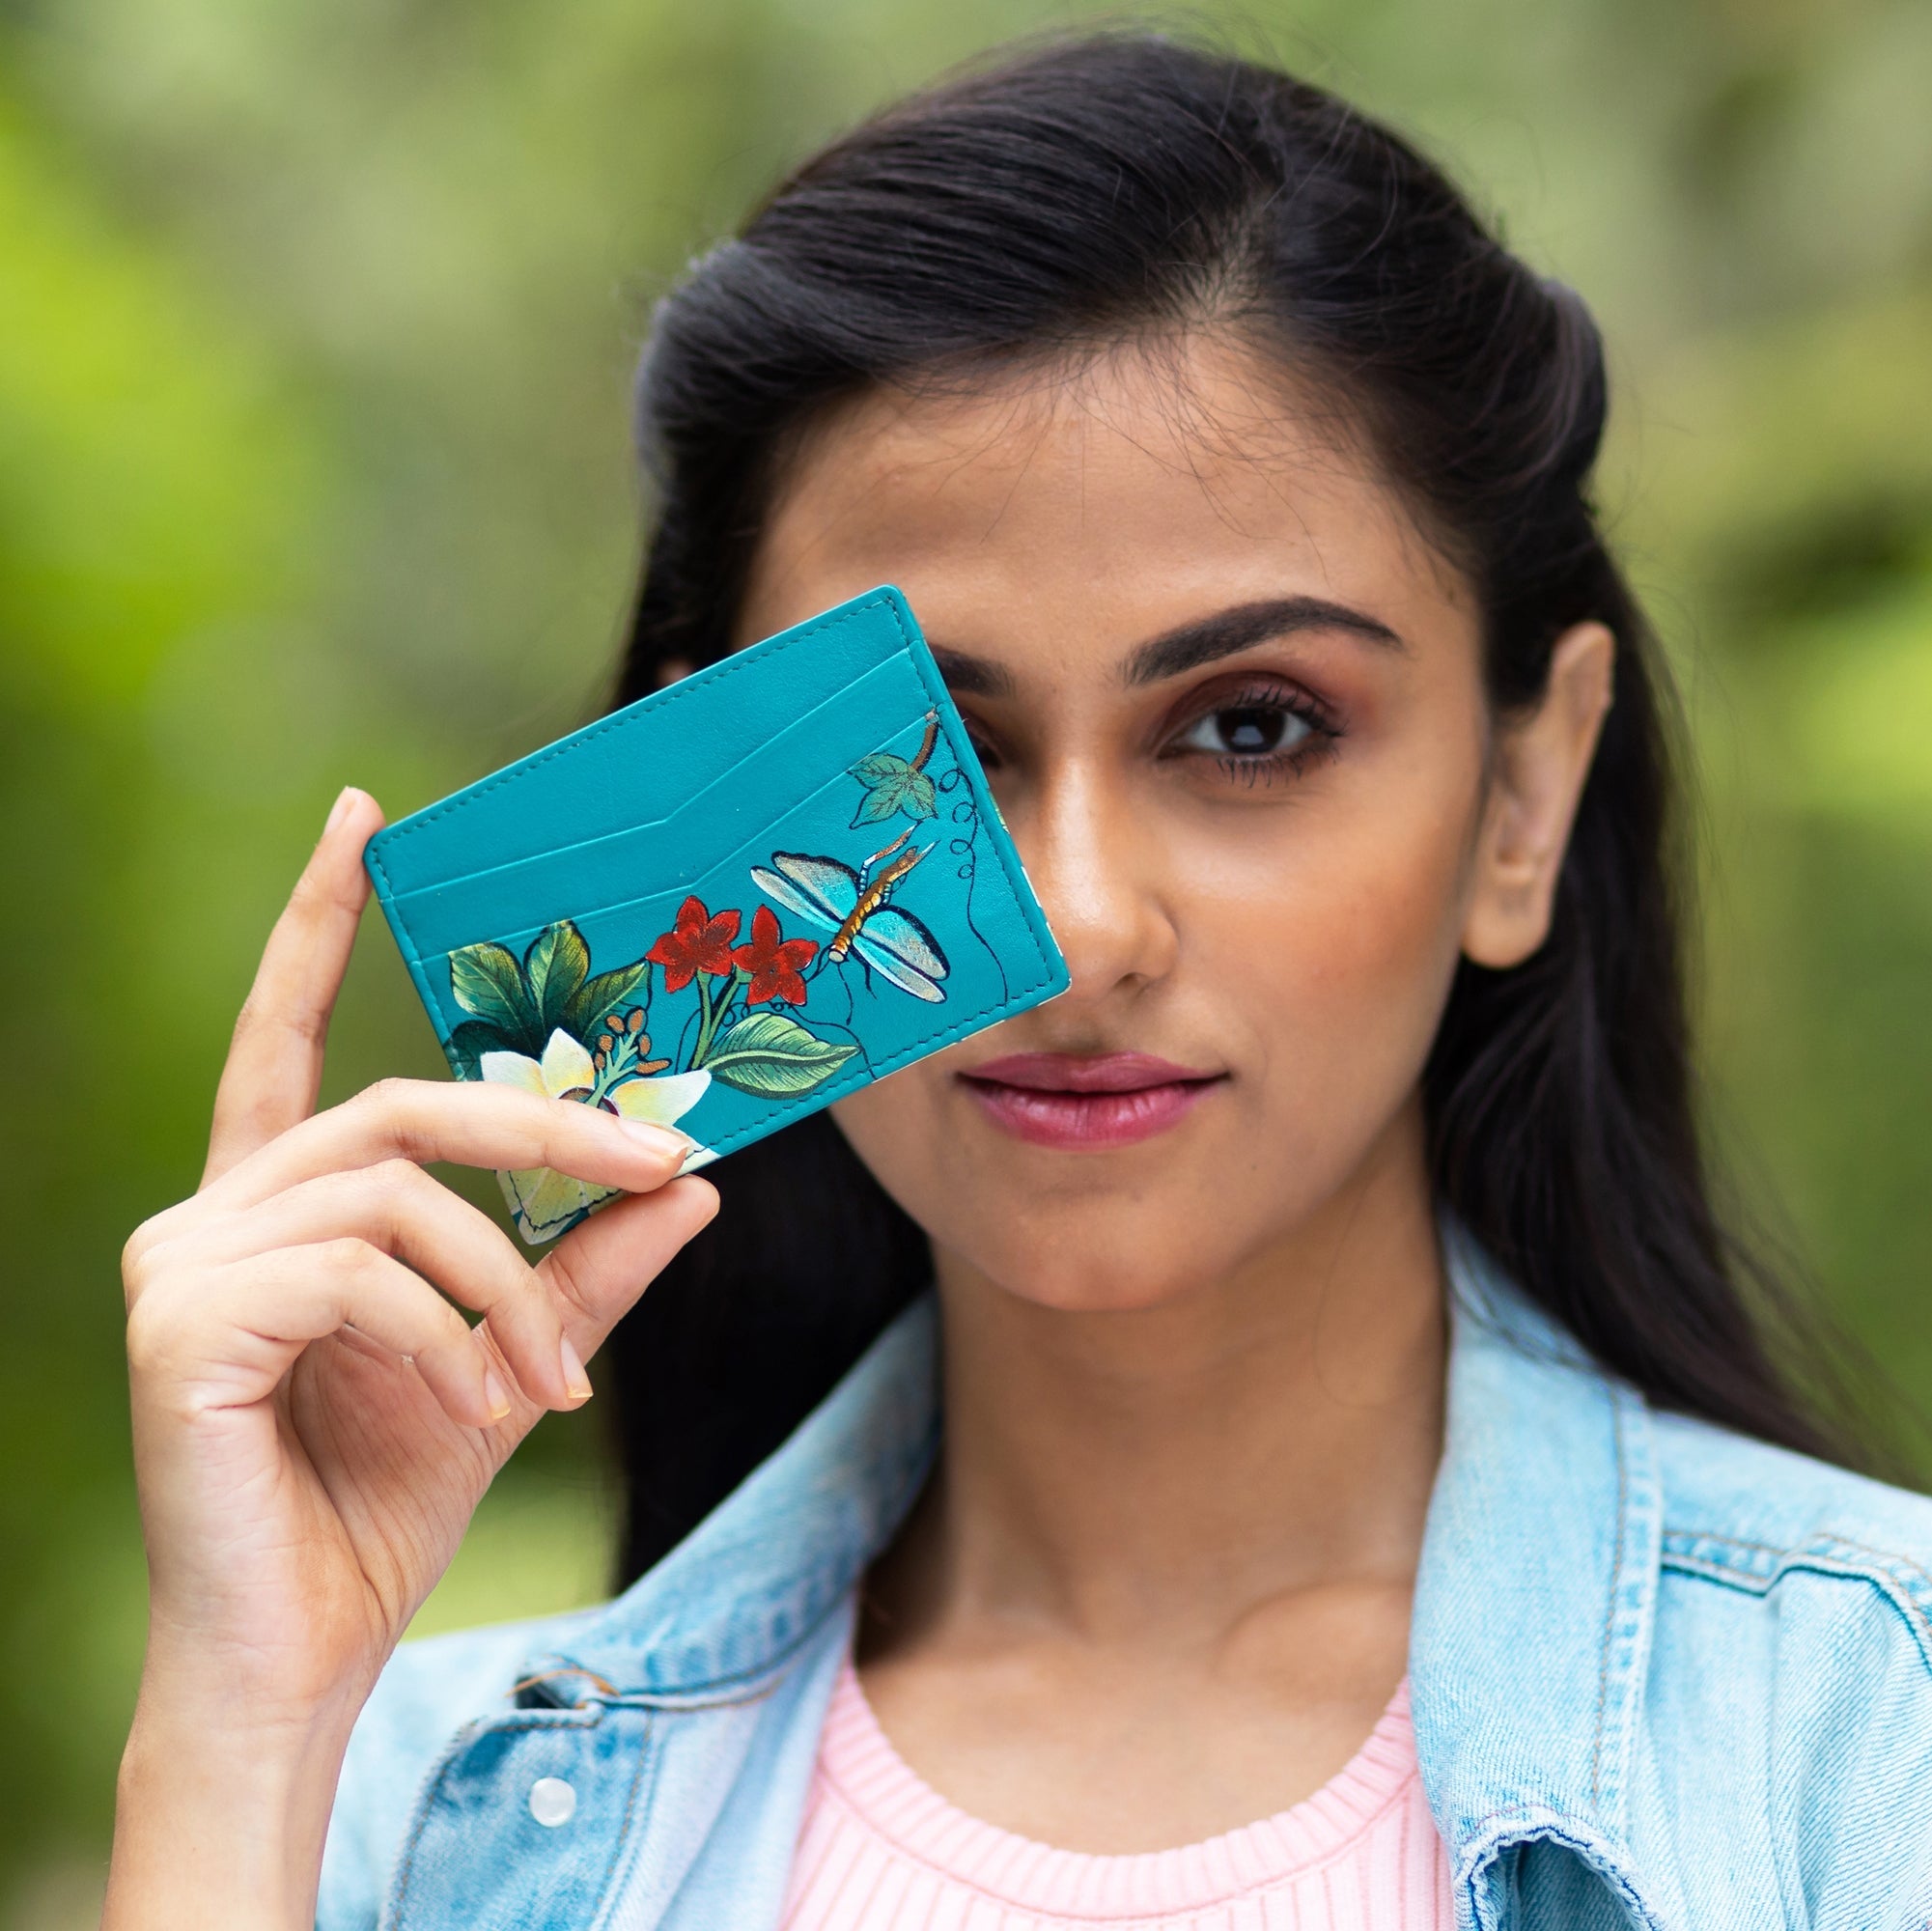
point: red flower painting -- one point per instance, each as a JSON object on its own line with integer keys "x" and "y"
{"x": 773, "y": 964}
{"x": 698, "y": 942}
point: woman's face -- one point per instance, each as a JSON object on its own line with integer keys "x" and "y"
{"x": 1230, "y": 704}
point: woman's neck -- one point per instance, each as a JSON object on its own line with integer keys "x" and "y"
{"x": 1154, "y": 1476}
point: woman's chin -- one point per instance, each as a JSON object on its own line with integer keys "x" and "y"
{"x": 1097, "y": 1275}
{"x": 1106, "y": 1297}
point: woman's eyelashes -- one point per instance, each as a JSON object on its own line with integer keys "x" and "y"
{"x": 1256, "y": 733}
{"x": 985, "y": 748}
{"x": 1250, "y": 733}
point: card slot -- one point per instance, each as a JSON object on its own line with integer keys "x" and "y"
{"x": 794, "y": 758}
{"x": 763, "y": 839}
{"x": 464, "y": 911}
{"x": 593, "y": 773}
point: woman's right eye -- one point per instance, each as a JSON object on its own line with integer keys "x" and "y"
{"x": 1255, "y": 730}
{"x": 984, "y": 747}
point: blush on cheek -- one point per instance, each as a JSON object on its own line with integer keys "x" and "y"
{"x": 1339, "y": 954}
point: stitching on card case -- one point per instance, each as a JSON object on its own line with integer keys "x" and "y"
{"x": 709, "y": 678}
{"x": 668, "y": 824}
{"x": 607, "y": 908}
{"x": 713, "y": 676}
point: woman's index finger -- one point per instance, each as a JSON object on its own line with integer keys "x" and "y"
{"x": 274, "y": 1066}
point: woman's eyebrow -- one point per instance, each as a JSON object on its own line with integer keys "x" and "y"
{"x": 968, "y": 676}
{"x": 1235, "y": 628}
{"x": 1242, "y": 625}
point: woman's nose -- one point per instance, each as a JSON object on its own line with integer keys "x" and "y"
{"x": 1098, "y": 875}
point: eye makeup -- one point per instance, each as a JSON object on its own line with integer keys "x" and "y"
{"x": 1256, "y": 729}
{"x": 1252, "y": 727}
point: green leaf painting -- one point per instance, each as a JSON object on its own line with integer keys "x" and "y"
{"x": 487, "y": 982}
{"x": 554, "y": 968}
{"x": 774, "y": 1056}
{"x": 894, "y": 784}
{"x": 519, "y": 1005}
{"x": 596, "y": 998}
{"x": 471, "y": 1039}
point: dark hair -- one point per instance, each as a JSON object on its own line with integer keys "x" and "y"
{"x": 1075, "y": 195}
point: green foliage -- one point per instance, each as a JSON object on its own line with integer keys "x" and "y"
{"x": 892, "y": 784}
{"x": 516, "y": 1005}
{"x": 314, "y": 468}
{"x": 471, "y": 1039}
{"x": 488, "y": 981}
{"x": 599, "y": 994}
{"x": 555, "y": 968}
{"x": 771, "y": 1056}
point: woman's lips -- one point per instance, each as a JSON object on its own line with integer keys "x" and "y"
{"x": 1068, "y": 1100}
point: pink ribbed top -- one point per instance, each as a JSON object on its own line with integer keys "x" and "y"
{"x": 881, "y": 1850}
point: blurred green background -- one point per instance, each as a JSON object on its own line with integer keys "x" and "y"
{"x": 316, "y": 322}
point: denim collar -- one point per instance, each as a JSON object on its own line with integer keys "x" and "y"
{"x": 1533, "y": 1602}
{"x": 731, "y": 1605}
{"x": 1535, "y": 1597}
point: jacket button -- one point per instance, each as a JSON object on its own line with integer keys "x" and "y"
{"x": 552, "y": 1801}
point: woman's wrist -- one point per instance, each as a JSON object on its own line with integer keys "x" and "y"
{"x": 221, "y": 1811}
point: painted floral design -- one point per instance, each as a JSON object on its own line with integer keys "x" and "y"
{"x": 894, "y": 784}
{"x": 774, "y": 964}
{"x": 515, "y": 1004}
{"x": 725, "y": 1010}
{"x": 545, "y": 1023}
{"x": 545, "y": 1203}
{"x": 697, "y": 942}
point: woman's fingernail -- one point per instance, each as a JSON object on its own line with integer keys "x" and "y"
{"x": 495, "y": 1394}
{"x": 339, "y": 809}
{"x": 575, "y": 1378}
{"x": 665, "y": 1142}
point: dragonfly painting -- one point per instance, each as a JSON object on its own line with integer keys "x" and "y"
{"x": 852, "y": 906}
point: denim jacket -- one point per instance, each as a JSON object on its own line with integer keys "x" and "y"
{"x": 1660, "y": 1676}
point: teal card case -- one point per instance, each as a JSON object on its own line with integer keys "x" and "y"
{"x": 727, "y": 904}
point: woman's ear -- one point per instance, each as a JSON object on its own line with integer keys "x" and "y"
{"x": 1541, "y": 761}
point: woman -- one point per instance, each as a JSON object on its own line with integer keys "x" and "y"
{"x": 1364, "y": 1496}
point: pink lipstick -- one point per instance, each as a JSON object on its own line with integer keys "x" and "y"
{"x": 1085, "y": 1102}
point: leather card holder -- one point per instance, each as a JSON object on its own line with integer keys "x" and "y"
{"x": 726, "y": 904}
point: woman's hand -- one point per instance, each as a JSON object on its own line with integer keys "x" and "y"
{"x": 315, "y": 1421}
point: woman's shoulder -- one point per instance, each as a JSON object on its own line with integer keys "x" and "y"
{"x": 1793, "y": 1643}
{"x": 429, "y": 1694}
{"x": 1752, "y": 1518}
